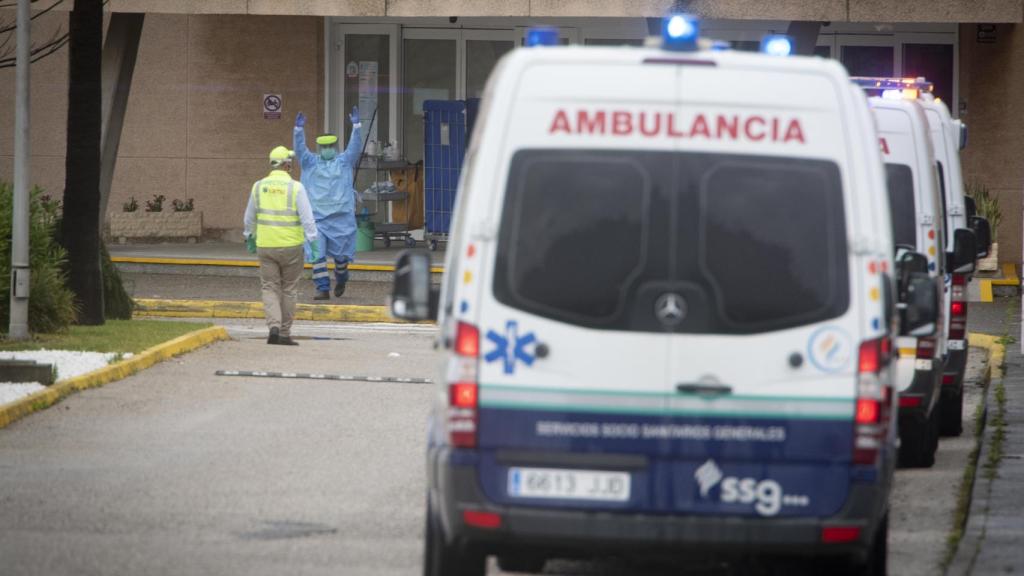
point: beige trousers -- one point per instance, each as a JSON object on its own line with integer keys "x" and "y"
{"x": 280, "y": 269}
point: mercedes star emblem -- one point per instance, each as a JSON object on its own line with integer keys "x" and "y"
{"x": 670, "y": 309}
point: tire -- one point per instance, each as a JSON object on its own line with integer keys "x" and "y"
{"x": 521, "y": 563}
{"x": 951, "y": 414}
{"x": 387, "y": 241}
{"x": 878, "y": 557}
{"x": 410, "y": 242}
{"x": 918, "y": 443}
{"x": 433, "y": 245}
{"x": 443, "y": 559}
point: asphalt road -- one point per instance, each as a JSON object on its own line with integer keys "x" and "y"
{"x": 178, "y": 471}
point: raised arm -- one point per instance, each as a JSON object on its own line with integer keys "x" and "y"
{"x": 355, "y": 142}
{"x": 306, "y": 158}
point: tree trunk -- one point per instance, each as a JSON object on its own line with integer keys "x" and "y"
{"x": 80, "y": 232}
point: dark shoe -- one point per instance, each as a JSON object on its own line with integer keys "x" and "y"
{"x": 322, "y": 295}
{"x": 339, "y": 289}
{"x": 275, "y": 336}
{"x": 287, "y": 341}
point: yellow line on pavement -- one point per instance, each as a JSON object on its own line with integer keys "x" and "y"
{"x": 245, "y": 263}
{"x": 137, "y": 363}
{"x": 234, "y": 309}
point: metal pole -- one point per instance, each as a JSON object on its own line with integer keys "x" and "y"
{"x": 19, "y": 240}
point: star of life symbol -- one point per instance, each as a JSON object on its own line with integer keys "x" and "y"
{"x": 707, "y": 476}
{"x": 510, "y": 347}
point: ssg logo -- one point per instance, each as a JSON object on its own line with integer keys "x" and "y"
{"x": 510, "y": 347}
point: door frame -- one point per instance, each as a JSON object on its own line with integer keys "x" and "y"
{"x": 334, "y": 102}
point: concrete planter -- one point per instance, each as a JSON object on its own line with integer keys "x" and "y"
{"x": 127, "y": 225}
{"x": 990, "y": 263}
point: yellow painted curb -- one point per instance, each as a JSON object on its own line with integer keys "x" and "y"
{"x": 137, "y": 363}
{"x": 246, "y": 263}
{"x": 230, "y": 309}
{"x": 1009, "y": 279}
{"x": 996, "y": 351}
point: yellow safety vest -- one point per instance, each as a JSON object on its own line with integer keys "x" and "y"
{"x": 277, "y": 215}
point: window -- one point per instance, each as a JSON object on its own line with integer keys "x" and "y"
{"x": 594, "y": 238}
{"x": 900, "y": 181}
{"x": 574, "y": 233}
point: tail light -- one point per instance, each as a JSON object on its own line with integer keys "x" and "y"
{"x": 958, "y": 307}
{"x": 462, "y": 387}
{"x": 874, "y": 400}
{"x": 925, "y": 348}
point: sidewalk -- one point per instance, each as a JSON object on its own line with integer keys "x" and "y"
{"x": 995, "y": 527}
{"x": 234, "y": 253}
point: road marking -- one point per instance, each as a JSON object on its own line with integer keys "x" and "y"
{"x": 338, "y": 377}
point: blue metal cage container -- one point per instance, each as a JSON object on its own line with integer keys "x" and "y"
{"x": 444, "y": 147}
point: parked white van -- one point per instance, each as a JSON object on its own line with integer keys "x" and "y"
{"x": 668, "y": 311}
{"x": 919, "y": 225}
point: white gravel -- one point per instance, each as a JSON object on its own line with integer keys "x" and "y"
{"x": 69, "y": 364}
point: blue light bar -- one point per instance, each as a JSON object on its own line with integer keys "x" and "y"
{"x": 882, "y": 84}
{"x": 541, "y": 36}
{"x": 777, "y": 45}
{"x": 720, "y": 46}
{"x": 679, "y": 32}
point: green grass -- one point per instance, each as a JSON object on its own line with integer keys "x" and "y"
{"x": 963, "y": 498}
{"x": 120, "y": 336}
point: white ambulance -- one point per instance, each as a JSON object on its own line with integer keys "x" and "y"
{"x": 668, "y": 312}
{"x": 919, "y": 226}
{"x": 948, "y": 136}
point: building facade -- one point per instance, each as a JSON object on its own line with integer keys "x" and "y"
{"x": 197, "y": 125}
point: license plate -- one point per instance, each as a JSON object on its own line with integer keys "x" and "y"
{"x": 568, "y": 484}
{"x": 956, "y": 344}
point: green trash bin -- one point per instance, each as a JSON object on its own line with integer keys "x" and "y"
{"x": 364, "y": 235}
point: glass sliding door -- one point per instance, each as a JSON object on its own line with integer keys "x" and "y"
{"x": 935, "y": 61}
{"x": 482, "y": 54}
{"x": 431, "y": 72}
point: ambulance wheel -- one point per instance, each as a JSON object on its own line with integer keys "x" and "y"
{"x": 918, "y": 443}
{"x": 518, "y": 562}
{"x": 441, "y": 558}
{"x": 387, "y": 241}
{"x": 433, "y": 245}
{"x": 951, "y": 414}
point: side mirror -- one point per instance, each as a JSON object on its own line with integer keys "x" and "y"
{"x": 965, "y": 251}
{"x": 971, "y": 207}
{"x": 983, "y": 233}
{"x": 908, "y": 265}
{"x": 413, "y": 298}
{"x": 920, "y": 312}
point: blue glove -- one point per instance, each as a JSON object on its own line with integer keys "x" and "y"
{"x": 250, "y": 243}
{"x": 354, "y": 116}
{"x": 300, "y": 120}
{"x": 314, "y": 251}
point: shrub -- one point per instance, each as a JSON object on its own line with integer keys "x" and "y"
{"x": 156, "y": 204}
{"x": 182, "y": 205}
{"x": 132, "y": 205}
{"x": 987, "y": 204}
{"x": 51, "y": 303}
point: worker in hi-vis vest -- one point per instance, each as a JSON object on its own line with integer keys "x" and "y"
{"x": 278, "y": 222}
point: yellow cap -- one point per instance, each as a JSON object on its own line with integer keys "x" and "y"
{"x": 281, "y": 154}
{"x": 327, "y": 140}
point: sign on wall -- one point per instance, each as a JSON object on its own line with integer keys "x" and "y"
{"x": 272, "y": 104}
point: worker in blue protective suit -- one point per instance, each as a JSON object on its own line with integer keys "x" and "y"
{"x": 328, "y": 177}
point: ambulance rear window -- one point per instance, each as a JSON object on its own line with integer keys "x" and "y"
{"x": 900, "y": 180}
{"x": 598, "y": 238}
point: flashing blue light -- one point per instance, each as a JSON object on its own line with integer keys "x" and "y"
{"x": 720, "y": 46}
{"x": 541, "y": 36}
{"x": 777, "y": 45}
{"x": 680, "y": 32}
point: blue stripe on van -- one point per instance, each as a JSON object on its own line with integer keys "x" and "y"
{"x": 731, "y": 466}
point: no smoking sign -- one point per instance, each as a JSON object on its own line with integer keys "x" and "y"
{"x": 272, "y": 104}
